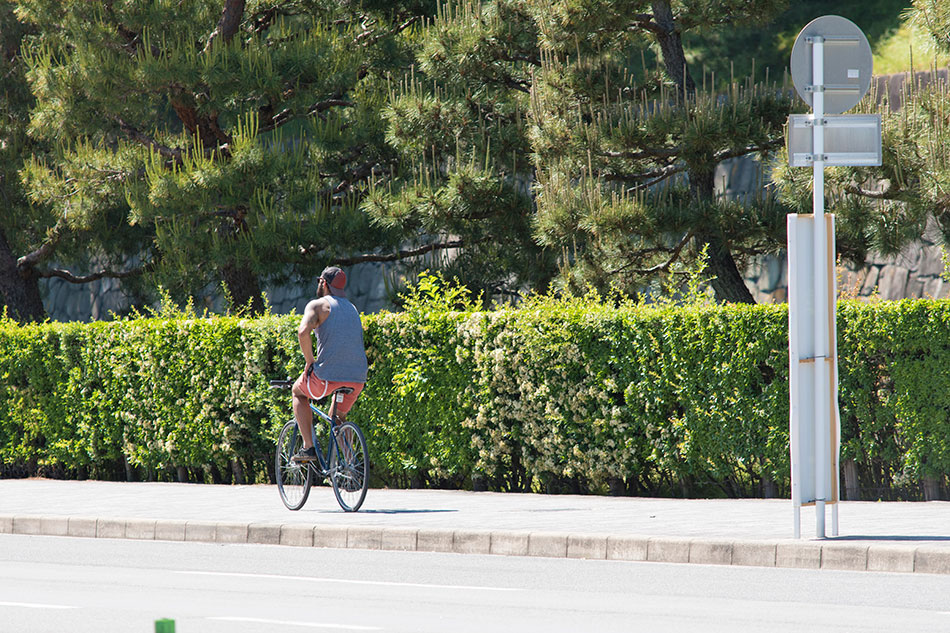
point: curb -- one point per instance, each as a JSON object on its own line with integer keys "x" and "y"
{"x": 788, "y": 554}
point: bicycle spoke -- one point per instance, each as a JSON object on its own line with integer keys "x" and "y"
{"x": 293, "y": 479}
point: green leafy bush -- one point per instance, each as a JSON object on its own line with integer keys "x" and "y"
{"x": 555, "y": 396}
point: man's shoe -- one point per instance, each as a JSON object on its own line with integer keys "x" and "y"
{"x": 305, "y": 455}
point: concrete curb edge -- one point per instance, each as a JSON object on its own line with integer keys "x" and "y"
{"x": 834, "y": 555}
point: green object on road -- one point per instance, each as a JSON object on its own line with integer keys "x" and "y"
{"x": 164, "y": 626}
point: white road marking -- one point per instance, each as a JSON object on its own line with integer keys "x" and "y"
{"x": 35, "y": 605}
{"x": 378, "y": 583}
{"x": 313, "y": 625}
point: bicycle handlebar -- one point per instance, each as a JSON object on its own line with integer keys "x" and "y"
{"x": 286, "y": 383}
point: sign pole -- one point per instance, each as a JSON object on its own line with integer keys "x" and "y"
{"x": 831, "y": 83}
{"x": 820, "y": 253}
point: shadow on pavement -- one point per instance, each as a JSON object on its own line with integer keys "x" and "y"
{"x": 858, "y": 537}
{"x": 381, "y": 511}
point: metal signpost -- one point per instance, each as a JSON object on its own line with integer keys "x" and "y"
{"x": 831, "y": 69}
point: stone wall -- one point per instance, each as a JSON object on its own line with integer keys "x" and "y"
{"x": 369, "y": 287}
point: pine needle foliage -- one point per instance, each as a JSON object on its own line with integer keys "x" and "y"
{"x": 239, "y": 136}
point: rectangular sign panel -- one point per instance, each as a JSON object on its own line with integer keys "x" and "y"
{"x": 850, "y": 139}
{"x": 813, "y": 432}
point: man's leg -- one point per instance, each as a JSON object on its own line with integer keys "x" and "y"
{"x": 303, "y": 415}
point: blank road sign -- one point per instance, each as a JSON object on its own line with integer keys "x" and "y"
{"x": 848, "y": 63}
{"x": 850, "y": 139}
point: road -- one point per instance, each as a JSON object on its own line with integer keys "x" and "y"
{"x": 55, "y": 584}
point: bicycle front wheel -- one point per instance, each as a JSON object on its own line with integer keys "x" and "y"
{"x": 293, "y": 479}
{"x": 349, "y": 467}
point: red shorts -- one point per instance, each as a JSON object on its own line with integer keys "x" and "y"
{"x": 317, "y": 388}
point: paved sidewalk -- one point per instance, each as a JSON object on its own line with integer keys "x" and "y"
{"x": 896, "y": 537}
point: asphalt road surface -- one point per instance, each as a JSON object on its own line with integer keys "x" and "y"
{"x": 56, "y": 584}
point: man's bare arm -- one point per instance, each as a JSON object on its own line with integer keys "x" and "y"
{"x": 313, "y": 315}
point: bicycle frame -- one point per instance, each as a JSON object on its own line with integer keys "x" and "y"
{"x": 331, "y": 437}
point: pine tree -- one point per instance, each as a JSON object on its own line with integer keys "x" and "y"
{"x": 36, "y": 238}
{"x": 459, "y": 123}
{"x": 626, "y": 153}
{"x": 19, "y": 290}
{"x": 240, "y": 137}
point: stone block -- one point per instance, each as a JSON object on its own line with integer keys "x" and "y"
{"x": 27, "y": 525}
{"x": 870, "y": 282}
{"x": 296, "y": 535}
{"x": 914, "y": 289}
{"x": 54, "y": 526}
{"x": 753, "y": 554}
{"x": 399, "y": 539}
{"x": 230, "y": 533}
{"x": 710, "y": 552}
{"x": 934, "y": 288}
{"x": 592, "y": 546}
{"x": 110, "y": 528}
{"x": 6, "y": 525}
{"x": 331, "y": 536}
{"x": 360, "y": 537}
{"x": 844, "y": 556}
{"x": 509, "y": 543}
{"x": 932, "y": 560}
{"x": 891, "y": 559}
{"x": 81, "y": 526}
{"x": 141, "y": 529}
{"x": 931, "y": 262}
{"x": 798, "y": 555}
{"x": 472, "y": 542}
{"x": 263, "y": 533}
{"x": 893, "y": 282}
{"x": 200, "y": 531}
{"x": 668, "y": 550}
{"x": 552, "y": 545}
{"x": 435, "y": 540}
{"x": 169, "y": 530}
{"x": 627, "y": 548}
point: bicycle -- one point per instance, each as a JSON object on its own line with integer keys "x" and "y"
{"x": 345, "y": 463}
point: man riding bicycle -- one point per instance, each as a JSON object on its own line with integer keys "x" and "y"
{"x": 340, "y": 360}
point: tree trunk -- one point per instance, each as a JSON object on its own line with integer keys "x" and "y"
{"x": 671, "y": 46}
{"x": 243, "y": 287}
{"x": 728, "y": 283}
{"x": 852, "y": 489}
{"x": 19, "y": 289}
{"x": 933, "y": 488}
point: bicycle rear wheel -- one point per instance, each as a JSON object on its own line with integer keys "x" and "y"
{"x": 349, "y": 467}
{"x": 293, "y": 479}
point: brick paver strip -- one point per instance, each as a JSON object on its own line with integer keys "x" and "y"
{"x": 891, "y": 537}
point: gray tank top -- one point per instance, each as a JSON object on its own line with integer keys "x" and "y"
{"x": 341, "y": 356}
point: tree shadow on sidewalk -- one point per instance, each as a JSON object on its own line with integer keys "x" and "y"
{"x": 904, "y": 538}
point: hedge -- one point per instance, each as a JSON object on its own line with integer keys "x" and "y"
{"x": 554, "y": 396}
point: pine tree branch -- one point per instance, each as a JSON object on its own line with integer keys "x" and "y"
{"x": 656, "y": 152}
{"x": 659, "y": 268}
{"x": 372, "y": 37}
{"x": 644, "y": 21}
{"x": 749, "y": 149}
{"x": 84, "y": 279}
{"x": 505, "y": 56}
{"x": 228, "y": 25}
{"x": 887, "y": 194}
{"x": 287, "y": 115}
{"x": 171, "y": 153}
{"x": 657, "y": 175}
{"x": 397, "y": 256}
{"x": 45, "y": 249}
{"x": 265, "y": 19}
